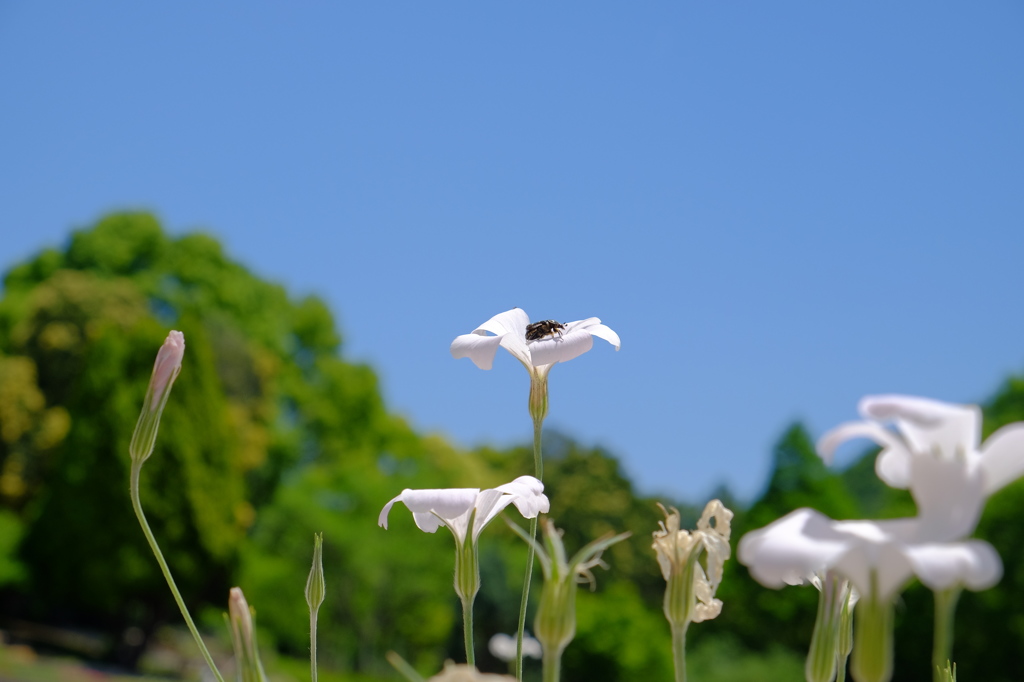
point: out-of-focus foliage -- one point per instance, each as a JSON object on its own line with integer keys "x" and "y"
{"x": 271, "y": 435}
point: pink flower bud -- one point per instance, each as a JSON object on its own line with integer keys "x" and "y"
{"x": 167, "y": 366}
{"x": 165, "y": 371}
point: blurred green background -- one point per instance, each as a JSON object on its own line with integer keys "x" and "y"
{"x": 271, "y": 435}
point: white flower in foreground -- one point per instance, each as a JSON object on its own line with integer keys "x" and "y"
{"x": 508, "y": 330}
{"x": 503, "y": 647}
{"x": 935, "y": 451}
{"x": 878, "y": 557}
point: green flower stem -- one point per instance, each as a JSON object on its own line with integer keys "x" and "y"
{"x": 312, "y": 644}
{"x": 137, "y": 506}
{"x": 679, "y": 651}
{"x": 467, "y": 627}
{"x": 538, "y": 467}
{"x": 552, "y": 665}
{"x": 406, "y": 670}
{"x": 942, "y": 644}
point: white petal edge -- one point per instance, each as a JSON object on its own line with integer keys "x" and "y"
{"x": 478, "y": 348}
{"x": 974, "y": 564}
{"x": 428, "y": 504}
{"x": 601, "y": 331}
{"x": 832, "y": 439}
{"x": 511, "y": 325}
{"x": 1002, "y": 457}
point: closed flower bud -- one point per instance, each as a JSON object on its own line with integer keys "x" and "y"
{"x": 165, "y": 371}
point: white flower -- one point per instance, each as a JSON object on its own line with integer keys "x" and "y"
{"x": 503, "y": 647}
{"x": 454, "y": 508}
{"x": 508, "y": 330}
{"x": 878, "y": 557}
{"x": 935, "y": 452}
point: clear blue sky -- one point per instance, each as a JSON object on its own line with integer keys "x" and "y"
{"x": 779, "y": 206}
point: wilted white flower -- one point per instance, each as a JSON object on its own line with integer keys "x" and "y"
{"x": 679, "y": 553}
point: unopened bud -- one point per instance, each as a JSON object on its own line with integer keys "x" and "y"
{"x": 243, "y": 638}
{"x": 316, "y": 588}
{"x": 165, "y": 371}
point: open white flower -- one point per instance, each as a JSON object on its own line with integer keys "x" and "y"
{"x": 878, "y": 557}
{"x": 456, "y": 508}
{"x": 508, "y": 330}
{"x": 935, "y": 451}
{"x": 466, "y": 512}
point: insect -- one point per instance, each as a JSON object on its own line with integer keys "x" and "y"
{"x": 538, "y": 330}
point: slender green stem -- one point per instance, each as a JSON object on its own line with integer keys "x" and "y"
{"x": 552, "y": 665}
{"x": 312, "y": 644}
{"x": 137, "y": 506}
{"x": 406, "y": 670}
{"x": 467, "y": 627}
{"x": 679, "y": 651}
{"x": 538, "y": 467}
{"x": 942, "y": 644}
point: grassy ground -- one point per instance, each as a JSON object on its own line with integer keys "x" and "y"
{"x": 718, "y": 661}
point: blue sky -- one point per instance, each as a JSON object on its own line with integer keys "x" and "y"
{"x": 780, "y": 207}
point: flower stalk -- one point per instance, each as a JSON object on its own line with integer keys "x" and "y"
{"x": 872, "y": 656}
{"x": 942, "y": 645}
{"x": 165, "y": 371}
{"x": 316, "y": 589}
{"x": 538, "y": 410}
{"x": 555, "y": 624}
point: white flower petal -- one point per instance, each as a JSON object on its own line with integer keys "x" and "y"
{"x": 828, "y": 443}
{"x": 382, "y": 519}
{"x": 876, "y": 547}
{"x": 527, "y": 494}
{"x": 478, "y": 348}
{"x": 929, "y": 426}
{"x": 489, "y": 504}
{"x": 594, "y": 326}
{"x": 560, "y": 348}
{"x": 974, "y": 564}
{"x": 1002, "y": 457}
{"x": 792, "y": 548}
{"x": 950, "y": 496}
{"x": 427, "y": 505}
{"x": 509, "y": 322}
{"x": 513, "y": 323}
{"x": 893, "y": 466}
{"x": 509, "y": 330}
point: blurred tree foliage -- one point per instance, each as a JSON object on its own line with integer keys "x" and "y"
{"x": 271, "y": 435}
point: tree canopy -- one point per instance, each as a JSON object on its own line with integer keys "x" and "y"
{"x": 272, "y": 435}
